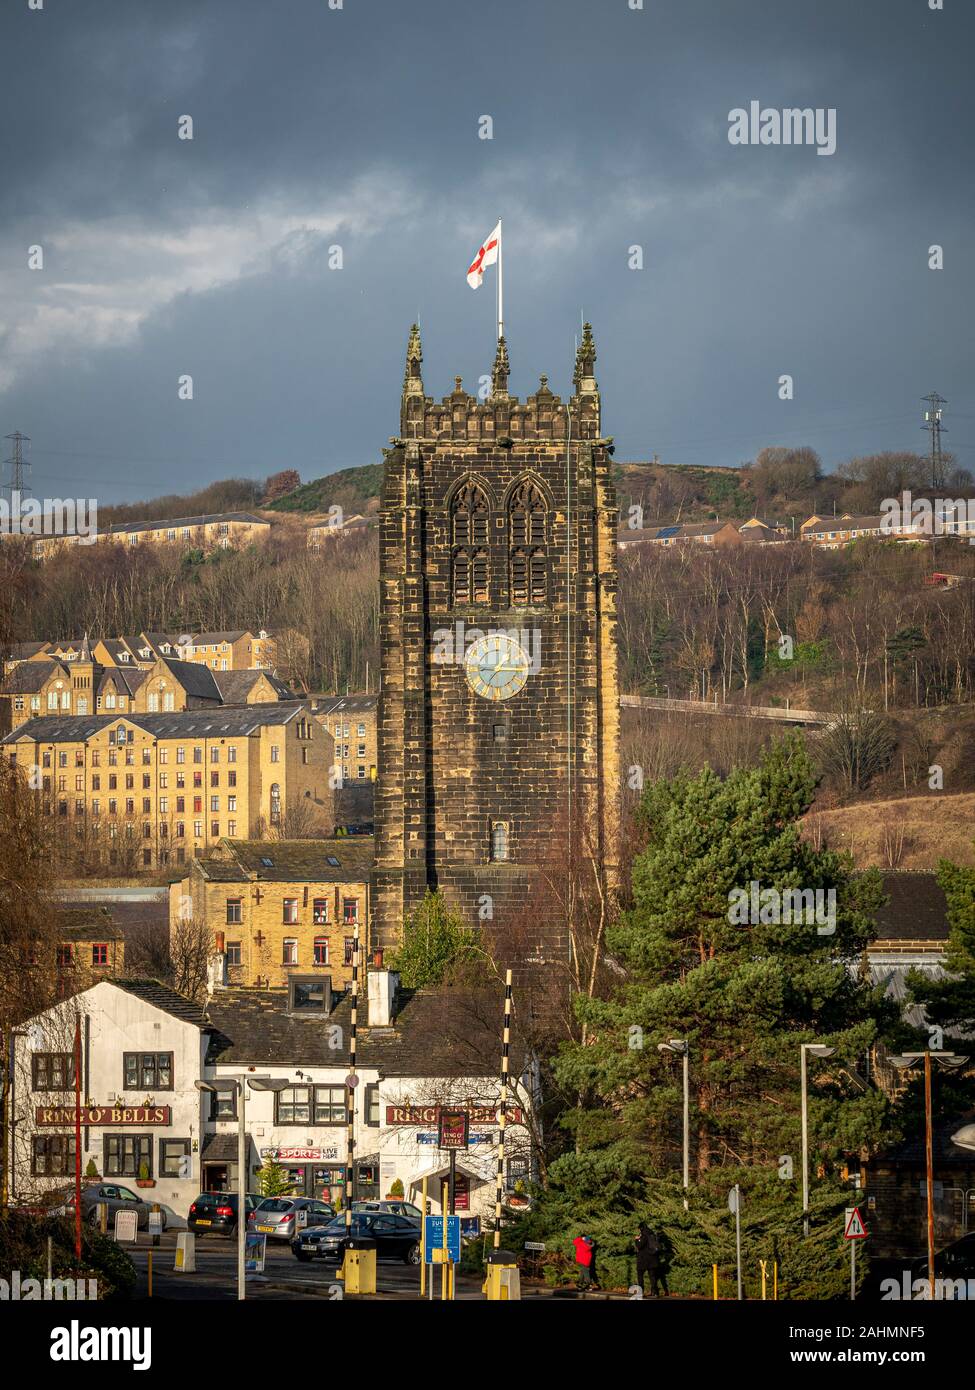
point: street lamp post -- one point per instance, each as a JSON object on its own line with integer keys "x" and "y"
{"x": 682, "y": 1049}
{"x": 235, "y": 1086}
{"x": 905, "y": 1062}
{"x": 817, "y": 1050}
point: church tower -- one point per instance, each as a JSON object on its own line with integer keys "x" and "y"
{"x": 499, "y": 708}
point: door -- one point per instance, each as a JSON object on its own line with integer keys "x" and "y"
{"x": 215, "y": 1177}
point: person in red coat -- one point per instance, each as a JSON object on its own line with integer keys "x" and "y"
{"x": 584, "y": 1246}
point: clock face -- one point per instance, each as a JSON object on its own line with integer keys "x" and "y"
{"x": 497, "y": 667}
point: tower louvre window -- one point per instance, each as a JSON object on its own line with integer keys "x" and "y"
{"x": 461, "y": 578}
{"x": 537, "y": 578}
{"x": 469, "y": 536}
{"x": 519, "y": 578}
{"x": 528, "y": 572}
{"x": 479, "y": 576}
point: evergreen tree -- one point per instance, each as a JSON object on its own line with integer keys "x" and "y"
{"x": 273, "y": 1179}
{"x": 744, "y": 996}
{"x": 950, "y": 1002}
{"x": 437, "y": 945}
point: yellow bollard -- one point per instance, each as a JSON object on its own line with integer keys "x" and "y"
{"x": 764, "y": 1266}
{"x": 775, "y": 1281}
{"x": 714, "y": 1281}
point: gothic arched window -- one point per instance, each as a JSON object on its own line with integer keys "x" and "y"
{"x": 527, "y": 561}
{"x": 469, "y": 537}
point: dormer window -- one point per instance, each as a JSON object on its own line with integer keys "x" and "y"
{"x": 309, "y": 994}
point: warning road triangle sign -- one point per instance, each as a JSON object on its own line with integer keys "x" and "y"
{"x": 855, "y": 1229}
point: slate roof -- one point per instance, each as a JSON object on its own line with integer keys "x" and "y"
{"x": 29, "y": 677}
{"x": 351, "y": 704}
{"x": 219, "y": 1148}
{"x": 210, "y": 639}
{"x": 127, "y": 527}
{"x": 88, "y": 924}
{"x": 125, "y": 678}
{"x": 436, "y": 1032}
{"x": 845, "y": 523}
{"x": 190, "y": 723}
{"x": 917, "y": 910}
{"x": 23, "y": 651}
{"x": 162, "y": 997}
{"x": 235, "y": 686}
{"x": 293, "y": 861}
{"x": 197, "y": 680}
{"x": 116, "y": 647}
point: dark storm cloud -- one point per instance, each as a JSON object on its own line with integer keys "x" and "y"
{"x": 315, "y": 127}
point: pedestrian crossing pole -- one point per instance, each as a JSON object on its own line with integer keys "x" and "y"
{"x": 505, "y": 1051}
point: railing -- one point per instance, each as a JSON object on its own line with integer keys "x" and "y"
{"x": 785, "y": 715}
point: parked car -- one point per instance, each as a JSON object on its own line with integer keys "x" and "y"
{"x": 396, "y": 1237}
{"x": 216, "y": 1212}
{"x": 392, "y": 1206}
{"x": 112, "y": 1195}
{"x": 955, "y": 1261}
{"x": 281, "y": 1218}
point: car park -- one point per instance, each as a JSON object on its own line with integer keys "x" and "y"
{"x": 215, "y": 1213}
{"x": 115, "y": 1197}
{"x": 396, "y": 1237}
{"x": 390, "y": 1205}
{"x": 281, "y": 1218}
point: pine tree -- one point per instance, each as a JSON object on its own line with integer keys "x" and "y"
{"x": 744, "y": 997}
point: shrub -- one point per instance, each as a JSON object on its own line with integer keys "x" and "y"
{"x": 23, "y": 1246}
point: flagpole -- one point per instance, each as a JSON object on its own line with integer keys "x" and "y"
{"x": 500, "y": 282}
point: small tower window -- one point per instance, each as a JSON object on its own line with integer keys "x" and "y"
{"x": 499, "y": 840}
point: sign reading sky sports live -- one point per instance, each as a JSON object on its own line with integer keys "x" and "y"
{"x": 62, "y": 1115}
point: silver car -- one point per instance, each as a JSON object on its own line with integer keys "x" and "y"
{"x": 281, "y": 1218}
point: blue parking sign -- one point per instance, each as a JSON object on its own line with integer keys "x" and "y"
{"x": 433, "y": 1232}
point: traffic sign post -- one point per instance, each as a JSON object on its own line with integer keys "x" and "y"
{"x": 734, "y": 1205}
{"x": 853, "y": 1230}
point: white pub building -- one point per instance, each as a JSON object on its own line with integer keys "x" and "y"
{"x": 144, "y": 1048}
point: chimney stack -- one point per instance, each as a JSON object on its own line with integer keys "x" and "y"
{"x": 382, "y": 986}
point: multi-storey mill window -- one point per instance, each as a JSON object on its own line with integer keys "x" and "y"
{"x": 469, "y": 537}
{"x": 528, "y": 571}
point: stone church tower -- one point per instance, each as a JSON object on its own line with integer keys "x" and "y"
{"x": 499, "y": 710}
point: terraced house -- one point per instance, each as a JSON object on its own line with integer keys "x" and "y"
{"x": 239, "y": 650}
{"x": 277, "y": 910}
{"x": 148, "y": 790}
{"x": 76, "y": 682}
{"x": 210, "y": 532}
{"x": 351, "y": 720}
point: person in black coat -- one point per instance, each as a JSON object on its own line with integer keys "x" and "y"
{"x": 648, "y": 1260}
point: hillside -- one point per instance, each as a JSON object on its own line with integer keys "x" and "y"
{"x": 352, "y": 489}
{"x": 910, "y": 832}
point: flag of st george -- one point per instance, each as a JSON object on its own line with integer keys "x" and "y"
{"x": 487, "y": 255}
